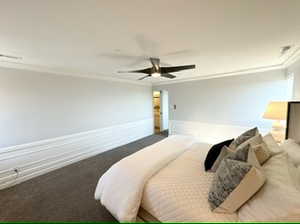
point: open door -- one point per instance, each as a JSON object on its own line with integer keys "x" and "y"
{"x": 161, "y": 112}
{"x": 157, "y": 112}
{"x": 164, "y": 105}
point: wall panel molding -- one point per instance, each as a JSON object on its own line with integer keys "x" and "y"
{"x": 209, "y": 133}
{"x": 37, "y": 158}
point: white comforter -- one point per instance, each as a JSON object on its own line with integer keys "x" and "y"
{"x": 120, "y": 189}
{"x": 179, "y": 191}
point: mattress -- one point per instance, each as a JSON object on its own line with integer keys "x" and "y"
{"x": 179, "y": 191}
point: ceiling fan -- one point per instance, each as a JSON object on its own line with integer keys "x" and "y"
{"x": 157, "y": 71}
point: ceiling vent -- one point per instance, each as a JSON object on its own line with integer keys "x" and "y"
{"x": 285, "y": 49}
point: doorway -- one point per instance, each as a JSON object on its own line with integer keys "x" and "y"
{"x": 161, "y": 112}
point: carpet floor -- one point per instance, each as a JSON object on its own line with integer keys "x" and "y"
{"x": 66, "y": 194}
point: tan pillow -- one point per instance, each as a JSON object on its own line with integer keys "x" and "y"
{"x": 237, "y": 179}
{"x": 262, "y": 152}
{"x": 272, "y": 144}
{"x": 260, "y": 148}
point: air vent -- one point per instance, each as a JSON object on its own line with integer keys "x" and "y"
{"x": 285, "y": 49}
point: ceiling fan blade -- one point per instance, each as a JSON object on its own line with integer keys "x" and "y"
{"x": 176, "y": 68}
{"x": 155, "y": 62}
{"x": 146, "y": 76}
{"x": 170, "y": 76}
{"x": 146, "y": 71}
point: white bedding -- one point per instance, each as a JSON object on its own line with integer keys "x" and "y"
{"x": 120, "y": 189}
{"x": 168, "y": 180}
{"x": 178, "y": 193}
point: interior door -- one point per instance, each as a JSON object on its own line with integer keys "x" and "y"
{"x": 164, "y": 110}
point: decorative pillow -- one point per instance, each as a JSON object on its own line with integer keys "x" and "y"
{"x": 262, "y": 152}
{"x": 279, "y": 199}
{"x": 243, "y": 137}
{"x": 272, "y": 144}
{"x": 293, "y": 150}
{"x": 214, "y": 152}
{"x": 260, "y": 148}
{"x": 225, "y": 151}
{"x": 236, "y": 181}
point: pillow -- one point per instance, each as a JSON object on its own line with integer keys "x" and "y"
{"x": 225, "y": 151}
{"x": 293, "y": 150}
{"x": 260, "y": 148}
{"x": 272, "y": 144}
{"x": 214, "y": 152}
{"x": 255, "y": 140}
{"x": 262, "y": 152}
{"x": 243, "y": 137}
{"x": 279, "y": 199}
{"x": 235, "y": 181}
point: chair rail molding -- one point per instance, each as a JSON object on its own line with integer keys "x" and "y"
{"x": 23, "y": 162}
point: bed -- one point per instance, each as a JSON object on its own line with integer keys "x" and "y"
{"x": 166, "y": 182}
{"x": 178, "y": 193}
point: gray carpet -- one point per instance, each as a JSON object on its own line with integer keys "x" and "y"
{"x": 66, "y": 194}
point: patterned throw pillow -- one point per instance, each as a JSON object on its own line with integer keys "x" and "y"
{"x": 244, "y": 137}
{"x": 214, "y": 152}
{"x": 225, "y": 151}
{"x": 236, "y": 180}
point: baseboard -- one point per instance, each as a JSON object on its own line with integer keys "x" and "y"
{"x": 207, "y": 132}
{"x": 24, "y": 162}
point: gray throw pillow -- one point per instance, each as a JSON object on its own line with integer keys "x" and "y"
{"x": 225, "y": 151}
{"x": 243, "y": 137}
{"x": 236, "y": 180}
{"x": 241, "y": 154}
{"x": 228, "y": 177}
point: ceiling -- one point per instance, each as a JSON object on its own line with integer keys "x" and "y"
{"x": 98, "y": 38}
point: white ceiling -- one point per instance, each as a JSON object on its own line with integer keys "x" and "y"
{"x": 91, "y": 37}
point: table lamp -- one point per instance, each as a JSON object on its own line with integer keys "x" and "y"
{"x": 277, "y": 111}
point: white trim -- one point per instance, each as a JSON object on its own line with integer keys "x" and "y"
{"x": 37, "y": 68}
{"x": 208, "y": 132}
{"x": 294, "y": 57}
{"x": 219, "y": 75}
{"x": 291, "y": 59}
{"x": 40, "y": 157}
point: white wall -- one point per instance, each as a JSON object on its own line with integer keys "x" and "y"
{"x": 64, "y": 119}
{"x": 236, "y": 100}
{"x": 36, "y": 106}
{"x": 295, "y": 70}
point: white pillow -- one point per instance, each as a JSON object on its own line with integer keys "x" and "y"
{"x": 293, "y": 150}
{"x": 278, "y": 199}
{"x": 272, "y": 144}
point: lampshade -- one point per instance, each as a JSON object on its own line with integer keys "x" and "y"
{"x": 276, "y": 110}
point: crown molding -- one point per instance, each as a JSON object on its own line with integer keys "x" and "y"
{"x": 38, "y": 68}
{"x": 219, "y": 75}
{"x": 293, "y": 57}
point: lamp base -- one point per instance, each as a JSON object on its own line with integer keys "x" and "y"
{"x": 278, "y": 131}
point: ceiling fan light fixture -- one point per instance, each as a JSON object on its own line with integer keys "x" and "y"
{"x": 155, "y": 75}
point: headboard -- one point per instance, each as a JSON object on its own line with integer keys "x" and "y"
{"x": 293, "y": 121}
